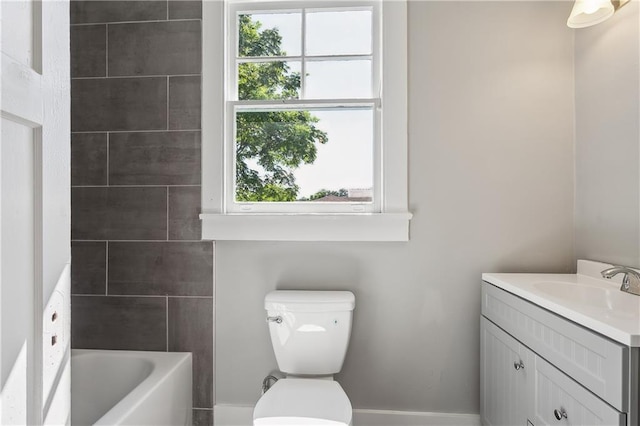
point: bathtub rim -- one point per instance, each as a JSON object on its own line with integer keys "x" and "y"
{"x": 164, "y": 364}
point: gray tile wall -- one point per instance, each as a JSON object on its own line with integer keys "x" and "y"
{"x": 142, "y": 279}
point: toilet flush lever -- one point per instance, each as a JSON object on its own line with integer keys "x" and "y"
{"x": 277, "y": 320}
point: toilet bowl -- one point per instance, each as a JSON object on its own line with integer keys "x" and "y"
{"x": 310, "y": 332}
{"x": 294, "y": 401}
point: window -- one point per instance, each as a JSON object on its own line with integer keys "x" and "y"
{"x": 301, "y": 113}
{"x": 304, "y": 127}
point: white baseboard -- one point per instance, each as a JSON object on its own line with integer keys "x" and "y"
{"x": 242, "y": 415}
{"x": 412, "y": 418}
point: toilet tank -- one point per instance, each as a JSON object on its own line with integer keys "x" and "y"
{"x": 313, "y": 336}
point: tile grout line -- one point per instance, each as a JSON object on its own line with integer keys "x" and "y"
{"x": 168, "y": 296}
{"x": 106, "y": 269}
{"x": 167, "y": 213}
{"x": 151, "y": 21}
{"x": 137, "y": 131}
{"x": 168, "y": 102}
{"x": 214, "y": 249}
{"x": 167, "y": 321}
{"x": 106, "y": 51}
{"x": 142, "y": 241}
{"x": 135, "y": 76}
{"x": 107, "y": 159}
{"x": 202, "y": 409}
{"x": 95, "y": 132}
{"x": 160, "y": 185}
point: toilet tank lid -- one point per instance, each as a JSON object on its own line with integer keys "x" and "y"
{"x": 309, "y": 301}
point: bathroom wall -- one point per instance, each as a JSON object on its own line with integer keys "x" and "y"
{"x": 142, "y": 279}
{"x": 491, "y": 188}
{"x": 607, "y": 61}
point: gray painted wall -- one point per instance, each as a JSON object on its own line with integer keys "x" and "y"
{"x": 607, "y": 58}
{"x": 491, "y": 188}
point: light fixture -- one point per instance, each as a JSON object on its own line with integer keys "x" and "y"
{"x": 591, "y": 12}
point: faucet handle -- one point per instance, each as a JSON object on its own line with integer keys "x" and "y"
{"x": 617, "y": 269}
{"x": 630, "y": 281}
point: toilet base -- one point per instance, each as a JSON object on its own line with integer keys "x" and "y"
{"x": 303, "y": 402}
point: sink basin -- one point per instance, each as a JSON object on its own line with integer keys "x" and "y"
{"x": 608, "y": 300}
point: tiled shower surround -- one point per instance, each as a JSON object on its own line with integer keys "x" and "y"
{"x": 142, "y": 279}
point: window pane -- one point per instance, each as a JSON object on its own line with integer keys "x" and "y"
{"x": 268, "y": 80}
{"x": 338, "y": 33}
{"x": 338, "y": 79}
{"x": 269, "y": 34}
{"x": 305, "y": 155}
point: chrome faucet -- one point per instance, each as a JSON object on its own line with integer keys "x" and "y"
{"x": 630, "y": 281}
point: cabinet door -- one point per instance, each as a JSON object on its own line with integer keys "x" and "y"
{"x": 505, "y": 365}
{"x": 559, "y": 400}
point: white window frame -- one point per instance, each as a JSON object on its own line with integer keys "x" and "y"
{"x": 234, "y": 105}
{"x": 386, "y": 219}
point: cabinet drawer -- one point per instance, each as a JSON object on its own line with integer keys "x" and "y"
{"x": 596, "y": 362}
{"x": 555, "y": 393}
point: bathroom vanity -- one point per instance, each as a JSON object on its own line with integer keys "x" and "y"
{"x": 559, "y": 349}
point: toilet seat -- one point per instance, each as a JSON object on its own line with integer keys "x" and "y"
{"x": 303, "y": 402}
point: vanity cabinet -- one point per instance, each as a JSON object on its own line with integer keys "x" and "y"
{"x": 538, "y": 368}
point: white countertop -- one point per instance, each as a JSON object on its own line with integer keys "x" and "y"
{"x": 585, "y": 298}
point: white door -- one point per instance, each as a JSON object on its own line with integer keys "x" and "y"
{"x": 34, "y": 212}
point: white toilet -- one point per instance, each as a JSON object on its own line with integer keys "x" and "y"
{"x": 310, "y": 332}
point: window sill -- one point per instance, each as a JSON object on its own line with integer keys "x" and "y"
{"x": 306, "y": 227}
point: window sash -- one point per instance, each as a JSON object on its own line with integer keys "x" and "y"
{"x": 238, "y": 7}
{"x": 307, "y": 103}
{"x": 318, "y": 58}
{"x": 233, "y": 206}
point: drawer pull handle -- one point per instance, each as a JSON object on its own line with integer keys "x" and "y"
{"x": 518, "y": 365}
{"x": 560, "y": 414}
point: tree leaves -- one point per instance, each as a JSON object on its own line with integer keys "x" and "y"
{"x": 270, "y": 145}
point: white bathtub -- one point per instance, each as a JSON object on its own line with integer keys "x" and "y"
{"x": 130, "y": 388}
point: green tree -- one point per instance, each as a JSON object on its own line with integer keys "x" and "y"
{"x": 276, "y": 141}
{"x": 325, "y": 192}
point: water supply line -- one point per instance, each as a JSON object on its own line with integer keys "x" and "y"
{"x": 268, "y": 382}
